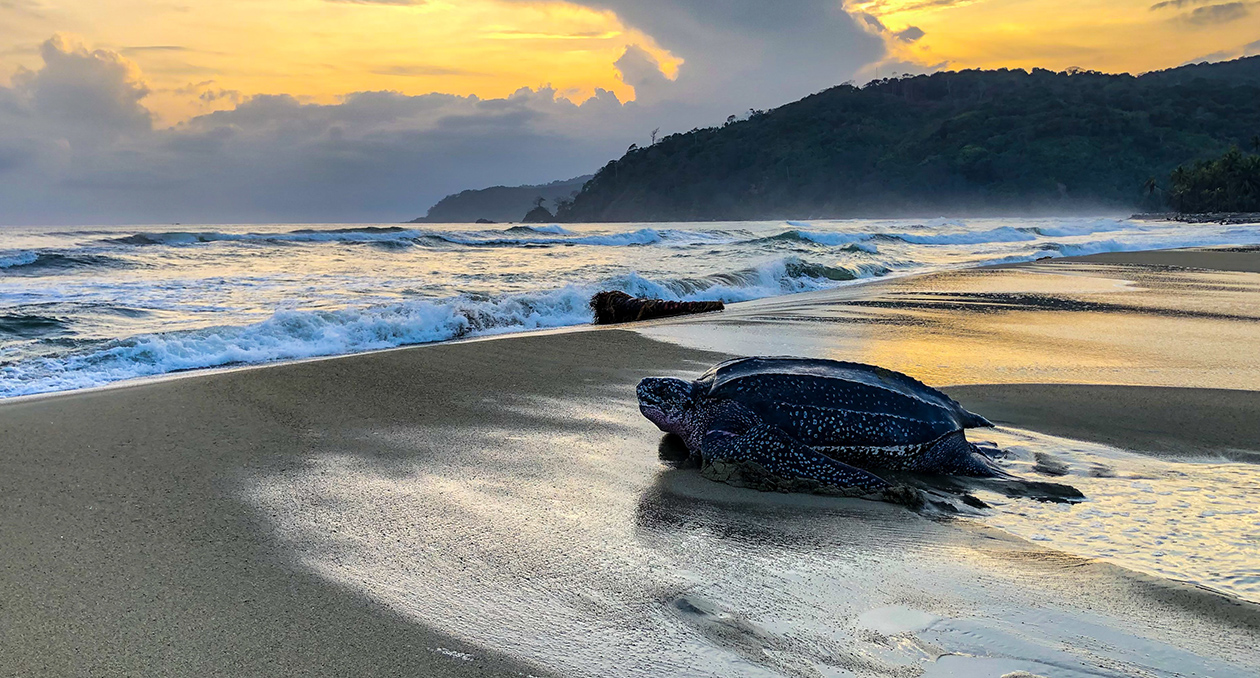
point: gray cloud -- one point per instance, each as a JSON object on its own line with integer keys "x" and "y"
{"x": 910, "y": 34}
{"x": 642, "y": 71}
{"x": 744, "y": 54}
{"x": 420, "y": 70}
{"x": 154, "y": 48}
{"x": 1177, "y": 4}
{"x": 373, "y": 156}
{"x": 1217, "y": 14}
{"x": 27, "y": 7}
{"x": 873, "y": 21}
{"x": 77, "y": 146}
{"x": 379, "y": 2}
{"x": 1251, "y": 49}
{"x": 1221, "y": 55}
{"x": 90, "y": 93}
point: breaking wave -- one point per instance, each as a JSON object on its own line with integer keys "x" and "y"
{"x": 29, "y": 326}
{"x": 1001, "y": 234}
{"x": 34, "y": 262}
{"x": 554, "y": 229}
{"x": 515, "y": 236}
{"x": 295, "y": 334}
{"x": 88, "y": 307}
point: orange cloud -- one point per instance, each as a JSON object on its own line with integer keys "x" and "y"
{"x": 320, "y": 50}
{"x": 1107, "y": 35}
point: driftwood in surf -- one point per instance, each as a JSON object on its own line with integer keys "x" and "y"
{"x": 615, "y": 306}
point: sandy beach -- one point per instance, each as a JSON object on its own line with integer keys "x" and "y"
{"x": 498, "y": 506}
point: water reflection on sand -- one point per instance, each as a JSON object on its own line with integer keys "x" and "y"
{"x": 564, "y": 540}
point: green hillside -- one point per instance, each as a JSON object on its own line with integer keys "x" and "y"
{"x": 498, "y": 203}
{"x": 969, "y": 142}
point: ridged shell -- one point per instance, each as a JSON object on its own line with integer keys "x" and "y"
{"x": 828, "y": 403}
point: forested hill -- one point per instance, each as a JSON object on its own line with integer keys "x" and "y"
{"x": 969, "y": 142}
{"x": 498, "y": 203}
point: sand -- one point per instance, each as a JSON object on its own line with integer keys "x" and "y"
{"x": 496, "y": 507}
{"x": 129, "y": 550}
{"x": 1185, "y": 422}
{"x": 1221, "y": 259}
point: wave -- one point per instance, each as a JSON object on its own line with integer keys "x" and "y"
{"x": 30, "y": 326}
{"x": 359, "y": 234}
{"x": 554, "y": 229}
{"x": 18, "y": 259}
{"x": 35, "y": 262}
{"x": 814, "y": 237}
{"x": 1085, "y": 228}
{"x": 294, "y": 334}
{"x": 1000, "y": 234}
{"x": 643, "y": 236}
{"x": 1136, "y": 245}
{"x": 788, "y": 275}
{"x": 516, "y": 236}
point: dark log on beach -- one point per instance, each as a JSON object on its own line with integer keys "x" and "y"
{"x": 618, "y": 307}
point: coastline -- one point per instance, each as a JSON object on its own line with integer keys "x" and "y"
{"x": 1204, "y": 218}
{"x": 207, "y": 523}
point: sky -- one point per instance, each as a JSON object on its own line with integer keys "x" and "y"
{"x": 216, "y": 111}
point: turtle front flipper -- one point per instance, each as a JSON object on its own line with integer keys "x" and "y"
{"x": 952, "y": 454}
{"x": 742, "y": 450}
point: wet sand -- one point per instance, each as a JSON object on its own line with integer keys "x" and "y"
{"x": 1242, "y": 259}
{"x": 497, "y": 507}
{"x": 1186, "y": 422}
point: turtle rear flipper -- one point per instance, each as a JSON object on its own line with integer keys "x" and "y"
{"x": 741, "y": 450}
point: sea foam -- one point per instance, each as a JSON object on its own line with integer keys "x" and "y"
{"x": 296, "y": 334}
{"x": 223, "y": 295}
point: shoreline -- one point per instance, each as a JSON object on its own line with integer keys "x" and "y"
{"x": 1238, "y": 218}
{"x": 494, "y": 505}
{"x": 1237, "y": 258}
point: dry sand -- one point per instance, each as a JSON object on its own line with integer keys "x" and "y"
{"x": 496, "y": 508}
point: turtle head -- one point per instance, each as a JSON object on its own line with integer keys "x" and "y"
{"x": 666, "y": 402}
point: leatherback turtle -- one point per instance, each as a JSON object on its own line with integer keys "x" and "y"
{"x": 821, "y": 422}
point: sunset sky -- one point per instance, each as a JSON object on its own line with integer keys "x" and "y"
{"x": 338, "y": 109}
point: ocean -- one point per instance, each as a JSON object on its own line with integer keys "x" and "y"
{"x": 87, "y": 306}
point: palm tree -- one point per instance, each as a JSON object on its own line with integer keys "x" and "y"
{"x": 1179, "y": 187}
{"x": 1149, "y": 187}
{"x": 1255, "y": 143}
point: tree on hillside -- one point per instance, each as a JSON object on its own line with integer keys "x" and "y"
{"x": 1230, "y": 183}
{"x": 970, "y": 141}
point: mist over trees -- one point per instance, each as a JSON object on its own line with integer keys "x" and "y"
{"x": 969, "y": 142}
